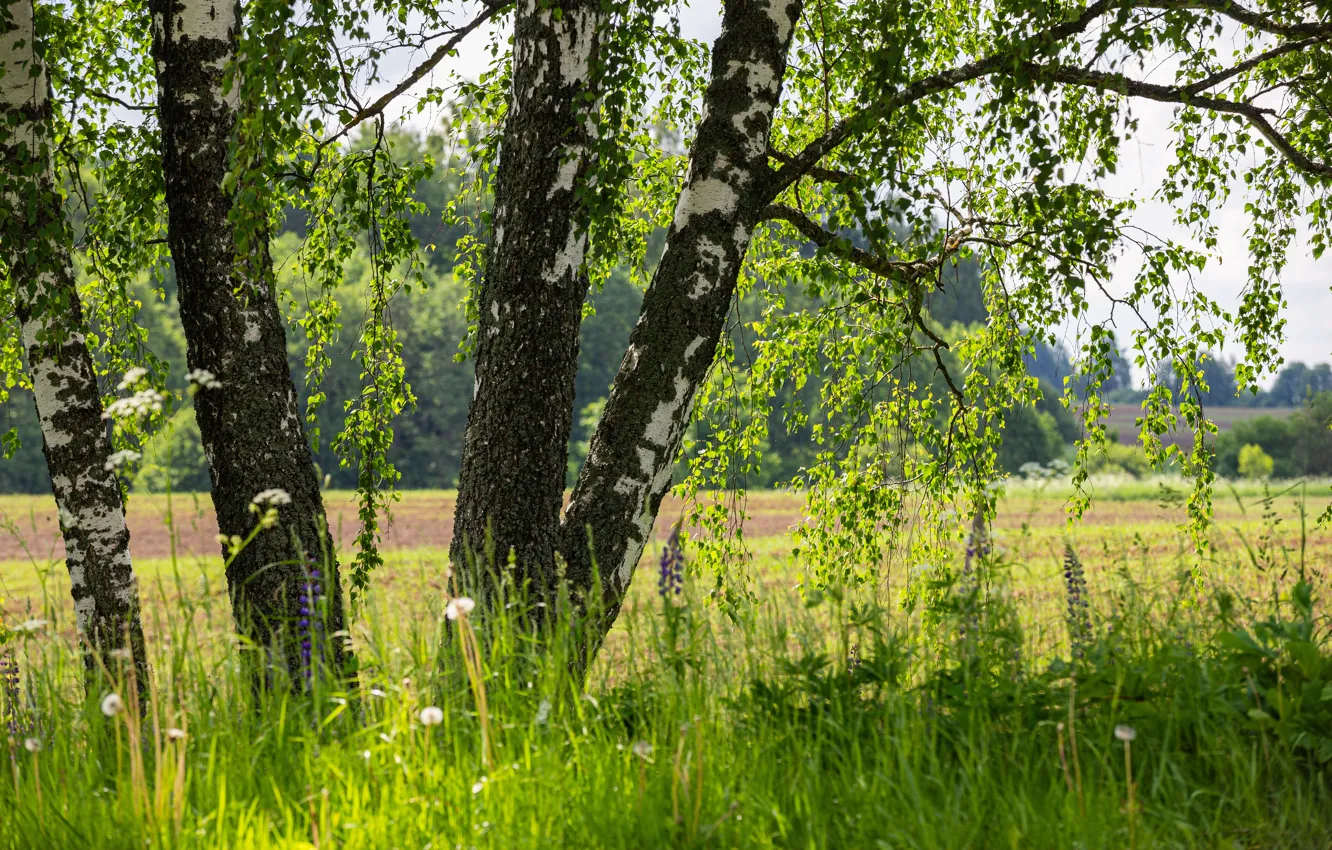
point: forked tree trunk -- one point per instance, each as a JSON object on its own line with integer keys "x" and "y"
{"x": 251, "y": 427}
{"x": 36, "y": 249}
{"x": 530, "y": 302}
{"x": 635, "y": 445}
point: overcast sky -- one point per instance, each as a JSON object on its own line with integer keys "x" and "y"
{"x": 1142, "y": 165}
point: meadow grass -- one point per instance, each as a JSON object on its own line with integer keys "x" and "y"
{"x": 978, "y": 719}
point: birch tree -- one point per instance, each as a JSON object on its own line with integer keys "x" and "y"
{"x": 959, "y": 126}
{"x": 252, "y": 430}
{"x": 40, "y": 285}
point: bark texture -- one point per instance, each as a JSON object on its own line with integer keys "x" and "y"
{"x": 251, "y": 427}
{"x": 633, "y": 450}
{"x": 530, "y": 302}
{"x": 36, "y": 250}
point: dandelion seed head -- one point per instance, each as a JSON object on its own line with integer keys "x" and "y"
{"x": 176, "y": 734}
{"x": 432, "y": 715}
{"x": 1125, "y": 733}
{"x": 32, "y": 745}
{"x": 112, "y": 705}
{"x": 460, "y": 607}
{"x": 643, "y": 750}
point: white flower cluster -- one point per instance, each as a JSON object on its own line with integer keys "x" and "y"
{"x": 120, "y": 458}
{"x": 142, "y": 403}
{"x": 273, "y": 497}
{"x": 203, "y": 379}
{"x": 132, "y": 377}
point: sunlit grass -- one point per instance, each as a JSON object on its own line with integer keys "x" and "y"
{"x": 851, "y": 723}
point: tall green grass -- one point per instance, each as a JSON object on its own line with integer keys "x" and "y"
{"x": 833, "y": 721}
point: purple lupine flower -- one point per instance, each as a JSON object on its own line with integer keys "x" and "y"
{"x": 1078, "y": 616}
{"x": 671, "y": 579}
{"x": 9, "y": 693}
{"x": 311, "y": 623}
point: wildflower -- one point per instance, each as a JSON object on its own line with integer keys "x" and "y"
{"x": 175, "y": 734}
{"x": 12, "y": 710}
{"x": 1079, "y": 622}
{"x": 643, "y": 750}
{"x": 376, "y": 692}
{"x": 1125, "y": 733}
{"x": 32, "y": 745}
{"x": 112, "y": 705}
{"x": 311, "y": 621}
{"x": 543, "y": 712}
{"x": 203, "y": 379}
{"x": 432, "y": 715}
{"x": 273, "y": 497}
{"x": 460, "y": 607}
{"x": 671, "y": 579}
{"x": 478, "y": 785}
{"x": 120, "y": 458}
{"x": 132, "y": 377}
{"x": 31, "y": 627}
{"x": 138, "y": 406}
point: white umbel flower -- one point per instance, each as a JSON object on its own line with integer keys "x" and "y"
{"x": 120, "y": 458}
{"x": 273, "y": 497}
{"x": 138, "y": 406}
{"x": 132, "y": 377}
{"x": 203, "y": 379}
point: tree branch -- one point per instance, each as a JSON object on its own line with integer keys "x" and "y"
{"x": 1243, "y": 15}
{"x": 1255, "y": 115}
{"x": 492, "y": 9}
{"x": 1314, "y": 32}
{"x": 867, "y": 260}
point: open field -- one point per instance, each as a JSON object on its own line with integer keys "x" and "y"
{"x": 1132, "y": 525}
{"x": 978, "y": 721}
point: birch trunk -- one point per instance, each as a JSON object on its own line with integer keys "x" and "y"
{"x": 251, "y": 427}
{"x": 530, "y": 302}
{"x": 633, "y": 450}
{"x": 36, "y": 240}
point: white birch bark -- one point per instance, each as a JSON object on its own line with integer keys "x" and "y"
{"x": 635, "y": 445}
{"x": 36, "y": 251}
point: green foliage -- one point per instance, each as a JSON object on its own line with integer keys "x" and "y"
{"x": 1299, "y": 445}
{"x": 1255, "y": 463}
{"x": 174, "y": 458}
{"x": 1117, "y": 458}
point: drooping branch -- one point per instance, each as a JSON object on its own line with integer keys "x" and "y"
{"x": 1311, "y": 32}
{"x": 809, "y": 157}
{"x": 1257, "y": 116}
